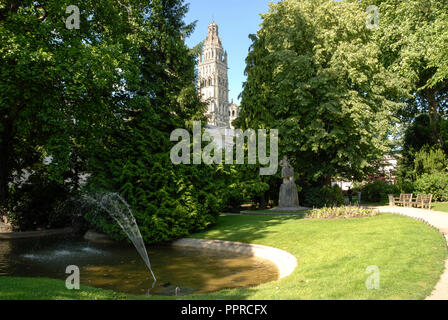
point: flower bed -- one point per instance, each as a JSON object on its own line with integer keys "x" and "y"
{"x": 343, "y": 212}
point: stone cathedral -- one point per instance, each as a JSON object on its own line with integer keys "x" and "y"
{"x": 213, "y": 81}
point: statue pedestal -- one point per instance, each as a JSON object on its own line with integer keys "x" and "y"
{"x": 291, "y": 210}
{"x": 289, "y": 198}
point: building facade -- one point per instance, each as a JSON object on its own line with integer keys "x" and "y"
{"x": 213, "y": 81}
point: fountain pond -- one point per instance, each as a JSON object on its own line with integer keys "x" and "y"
{"x": 118, "y": 266}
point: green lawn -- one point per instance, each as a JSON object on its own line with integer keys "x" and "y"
{"x": 440, "y": 206}
{"x": 49, "y": 289}
{"x": 332, "y": 255}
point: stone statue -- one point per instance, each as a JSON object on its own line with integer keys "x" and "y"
{"x": 289, "y": 197}
{"x": 287, "y": 171}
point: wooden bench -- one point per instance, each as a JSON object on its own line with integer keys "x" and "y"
{"x": 423, "y": 201}
{"x": 405, "y": 200}
{"x": 426, "y": 201}
{"x": 418, "y": 201}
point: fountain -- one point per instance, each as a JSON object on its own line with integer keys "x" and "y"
{"x": 113, "y": 265}
{"x": 119, "y": 210}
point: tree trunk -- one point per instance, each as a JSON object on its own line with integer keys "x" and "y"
{"x": 433, "y": 109}
{"x": 10, "y": 6}
{"x": 5, "y": 164}
{"x": 324, "y": 181}
{"x": 263, "y": 202}
{"x": 4, "y": 174}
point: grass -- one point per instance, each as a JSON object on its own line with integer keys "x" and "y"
{"x": 440, "y": 206}
{"x": 48, "y": 289}
{"x": 333, "y": 256}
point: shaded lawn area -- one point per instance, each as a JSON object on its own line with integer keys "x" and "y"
{"x": 333, "y": 256}
{"x": 50, "y": 289}
{"x": 440, "y": 206}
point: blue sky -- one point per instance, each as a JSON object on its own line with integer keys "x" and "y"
{"x": 236, "y": 20}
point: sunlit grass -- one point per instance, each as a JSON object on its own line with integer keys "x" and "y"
{"x": 333, "y": 256}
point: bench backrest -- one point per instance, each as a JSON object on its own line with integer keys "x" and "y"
{"x": 426, "y": 198}
{"x": 419, "y": 198}
{"x": 407, "y": 197}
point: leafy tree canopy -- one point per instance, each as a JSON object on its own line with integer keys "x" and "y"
{"x": 315, "y": 74}
{"x": 413, "y": 37}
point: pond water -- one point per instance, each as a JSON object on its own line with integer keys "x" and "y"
{"x": 118, "y": 266}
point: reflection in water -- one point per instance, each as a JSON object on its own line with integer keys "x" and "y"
{"x": 118, "y": 266}
{"x": 5, "y": 251}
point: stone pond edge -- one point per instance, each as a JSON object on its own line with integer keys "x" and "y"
{"x": 35, "y": 234}
{"x": 285, "y": 262}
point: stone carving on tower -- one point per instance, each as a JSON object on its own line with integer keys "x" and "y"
{"x": 234, "y": 111}
{"x": 213, "y": 80}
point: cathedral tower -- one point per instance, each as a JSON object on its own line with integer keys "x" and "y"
{"x": 213, "y": 78}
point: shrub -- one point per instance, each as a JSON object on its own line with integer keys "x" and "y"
{"x": 344, "y": 212}
{"x": 435, "y": 184}
{"x": 168, "y": 201}
{"x": 242, "y": 192}
{"x": 318, "y": 197}
{"x": 378, "y": 191}
{"x": 429, "y": 161}
{"x": 405, "y": 186}
{"x": 35, "y": 204}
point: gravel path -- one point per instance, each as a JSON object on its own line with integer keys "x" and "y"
{"x": 438, "y": 220}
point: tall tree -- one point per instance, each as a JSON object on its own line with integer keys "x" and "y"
{"x": 58, "y": 85}
{"x": 104, "y": 99}
{"x": 413, "y": 37}
{"x": 314, "y": 73}
{"x": 169, "y": 201}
